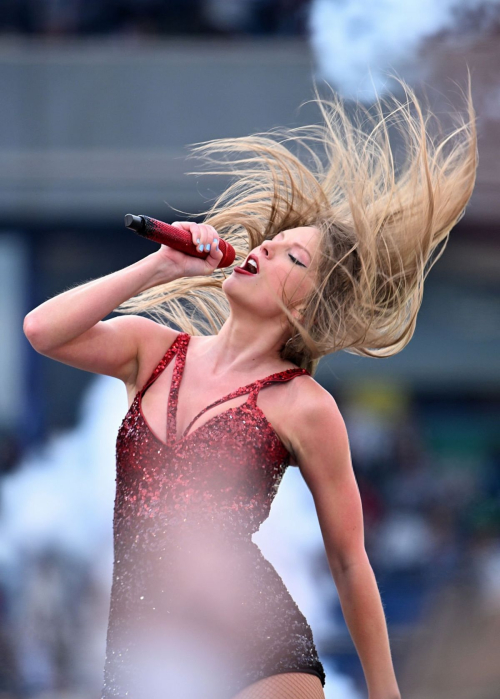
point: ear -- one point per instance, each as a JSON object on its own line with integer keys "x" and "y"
{"x": 297, "y": 312}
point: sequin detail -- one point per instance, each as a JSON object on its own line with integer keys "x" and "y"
{"x": 196, "y": 610}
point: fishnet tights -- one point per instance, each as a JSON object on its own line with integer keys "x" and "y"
{"x": 287, "y": 685}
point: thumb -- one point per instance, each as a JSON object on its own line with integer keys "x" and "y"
{"x": 214, "y": 257}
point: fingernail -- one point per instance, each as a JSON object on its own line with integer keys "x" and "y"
{"x": 216, "y": 241}
{"x": 207, "y": 247}
{"x": 200, "y": 248}
{"x": 197, "y": 240}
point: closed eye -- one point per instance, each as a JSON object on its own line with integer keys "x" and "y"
{"x": 295, "y": 261}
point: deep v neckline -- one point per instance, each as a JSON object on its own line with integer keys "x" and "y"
{"x": 179, "y": 348}
{"x": 173, "y": 397}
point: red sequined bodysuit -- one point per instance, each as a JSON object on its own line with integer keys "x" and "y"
{"x": 196, "y": 610}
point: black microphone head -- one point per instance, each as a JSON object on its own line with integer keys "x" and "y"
{"x": 135, "y": 223}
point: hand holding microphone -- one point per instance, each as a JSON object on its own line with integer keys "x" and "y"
{"x": 181, "y": 244}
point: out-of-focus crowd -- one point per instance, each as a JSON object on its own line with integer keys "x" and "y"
{"x": 156, "y": 17}
{"x": 431, "y": 512}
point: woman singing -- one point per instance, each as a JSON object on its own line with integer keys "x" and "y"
{"x": 338, "y": 248}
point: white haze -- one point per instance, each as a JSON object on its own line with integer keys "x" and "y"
{"x": 358, "y": 42}
{"x": 61, "y": 498}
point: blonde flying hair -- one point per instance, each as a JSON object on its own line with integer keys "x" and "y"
{"x": 380, "y": 222}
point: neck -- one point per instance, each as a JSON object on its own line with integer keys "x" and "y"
{"x": 242, "y": 347}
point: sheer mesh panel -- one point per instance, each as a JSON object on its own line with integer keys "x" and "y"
{"x": 288, "y": 685}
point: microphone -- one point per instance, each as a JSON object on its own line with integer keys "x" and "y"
{"x": 174, "y": 237}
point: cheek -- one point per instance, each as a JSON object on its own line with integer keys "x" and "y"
{"x": 265, "y": 290}
{"x": 286, "y": 283}
{"x": 297, "y": 286}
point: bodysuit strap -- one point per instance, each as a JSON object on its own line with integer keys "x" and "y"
{"x": 280, "y": 376}
{"x": 251, "y": 388}
{"x": 165, "y": 360}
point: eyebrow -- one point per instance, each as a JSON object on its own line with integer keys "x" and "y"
{"x": 299, "y": 244}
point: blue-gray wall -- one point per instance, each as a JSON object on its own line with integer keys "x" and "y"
{"x": 93, "y": 129}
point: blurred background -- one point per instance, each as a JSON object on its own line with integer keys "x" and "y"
{"x": 99, "y": 100}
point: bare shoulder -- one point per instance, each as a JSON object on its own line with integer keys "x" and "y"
{"x": 313, "y": 418}
{"x": 308, "y": 401}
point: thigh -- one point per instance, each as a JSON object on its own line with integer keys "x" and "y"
{"x": 286, "y": 685}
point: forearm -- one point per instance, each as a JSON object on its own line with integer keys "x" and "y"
{"x": 363, "y": 612}
{"x": 69, "y": 314}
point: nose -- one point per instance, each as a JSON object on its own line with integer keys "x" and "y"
{"x": 267, "y": 248}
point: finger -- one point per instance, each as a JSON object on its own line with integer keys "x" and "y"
{"x": 215, "y": 237}
{"x": 207, "y": 237}
{"x": 215, "y": 255}
{"x": 195, "y": 236}
{"x": 201, "y": 236}
{"x": 212, "y": 239}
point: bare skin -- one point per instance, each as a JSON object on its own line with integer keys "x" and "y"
{"x": 253, "y": 333}
{"x": 247, "y": 346}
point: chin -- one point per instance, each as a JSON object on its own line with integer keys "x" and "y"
{"x": 230, "y": 286}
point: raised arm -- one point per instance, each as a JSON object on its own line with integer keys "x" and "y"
{"x": 320, "y": 443}
{"x": 69, "y": 327}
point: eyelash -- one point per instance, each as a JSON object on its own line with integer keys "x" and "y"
{"x": 295, "y": 261}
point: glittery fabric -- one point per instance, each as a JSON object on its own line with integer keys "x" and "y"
{"x": 196, "y": 609}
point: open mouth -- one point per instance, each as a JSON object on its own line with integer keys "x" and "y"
{"x": 250, "y": 266}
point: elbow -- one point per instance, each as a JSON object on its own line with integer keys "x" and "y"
{"x": 29, "y": 326}
{"x": 31, "y": 329}
{"x": 345, "y": 564}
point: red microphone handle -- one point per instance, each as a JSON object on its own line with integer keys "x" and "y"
{"x": 176, "y": 238}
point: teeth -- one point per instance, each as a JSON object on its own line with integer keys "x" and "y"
{"x": 253, "y": 264}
